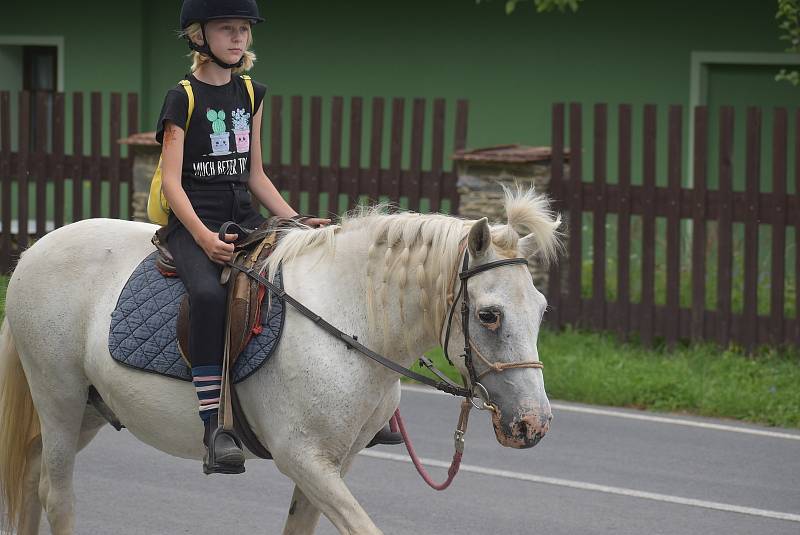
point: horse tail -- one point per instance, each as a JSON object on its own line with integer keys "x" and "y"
{"x": 19, "y": 425}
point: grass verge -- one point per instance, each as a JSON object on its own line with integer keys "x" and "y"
{"x": 703, "y": 380}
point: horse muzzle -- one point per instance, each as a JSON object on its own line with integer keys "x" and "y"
{"x": 522, "y": 430}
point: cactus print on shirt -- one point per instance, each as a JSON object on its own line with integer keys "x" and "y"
{"x": 217, "y": 143}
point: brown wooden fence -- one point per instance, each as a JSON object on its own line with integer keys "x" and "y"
{"x": 376, "y": 181}
{"x": 345, "y": 182}
{"x": 35, "y": 165}
{"x": 713, "y": 236}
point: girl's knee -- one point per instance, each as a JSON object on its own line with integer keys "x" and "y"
{"x": 209, "y": 297}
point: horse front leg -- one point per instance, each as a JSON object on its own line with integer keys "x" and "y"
{"x": 303, "y": 515}
{"x": 322, "y": 486}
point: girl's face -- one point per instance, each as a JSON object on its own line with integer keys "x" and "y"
{"x": 228, "y": 38}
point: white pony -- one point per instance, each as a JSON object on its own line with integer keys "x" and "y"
{"x": 315, "y": 404}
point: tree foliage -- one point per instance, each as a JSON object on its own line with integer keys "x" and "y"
{"x": 789, "y": 23}
{"x": 542, "y": 6}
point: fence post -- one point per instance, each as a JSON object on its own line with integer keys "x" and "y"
{"x": 624, "y": 153}
{"x": 554, "y": 291}
{"x": 699, "y": 327}
{"x": 672, "y": 324}
{"x": 725, "y": 226}
{"x": 778, "y": 269}
{"x": 5, "y": 181}
{"x": 647, "y": 310}
{"x": 22, "y": 170}
{"x": 600, "y": 201}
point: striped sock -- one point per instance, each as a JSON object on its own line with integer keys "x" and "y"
{"x": 207, "y": 381}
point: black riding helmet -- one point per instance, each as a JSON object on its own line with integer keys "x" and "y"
{"x": 203, "y": 11}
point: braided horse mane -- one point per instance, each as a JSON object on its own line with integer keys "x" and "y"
{"x": 408, "y": 251}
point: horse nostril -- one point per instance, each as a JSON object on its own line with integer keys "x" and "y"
{"x": 522, "y": 429}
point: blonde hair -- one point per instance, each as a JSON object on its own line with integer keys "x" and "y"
{"x": 195, "y": 31}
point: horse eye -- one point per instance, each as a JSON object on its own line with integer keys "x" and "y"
{"x": 489, "y": 316}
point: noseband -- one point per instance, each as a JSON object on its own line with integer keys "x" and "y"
{"x": 477, "y": 389}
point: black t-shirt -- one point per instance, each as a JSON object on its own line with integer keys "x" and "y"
{"x": 217, "y": 144}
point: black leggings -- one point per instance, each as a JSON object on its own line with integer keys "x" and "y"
{"x": 207, "y": 297}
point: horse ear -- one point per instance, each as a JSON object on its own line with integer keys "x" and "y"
{"x": 480, "y": 238}
{"x": 528, "y": 246}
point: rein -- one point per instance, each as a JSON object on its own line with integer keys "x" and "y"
{"x": 444, "y": 384}
{"x": 397, "y": 423}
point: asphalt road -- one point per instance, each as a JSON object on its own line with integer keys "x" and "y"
{"x": 597, "y": 471}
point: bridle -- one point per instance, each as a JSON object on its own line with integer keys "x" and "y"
{"x": 475, "y": 387}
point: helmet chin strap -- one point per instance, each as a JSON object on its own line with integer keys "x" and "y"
{"x": 205, "y": 49}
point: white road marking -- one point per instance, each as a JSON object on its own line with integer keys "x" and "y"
{"x": 643, "y": 417}
{"x": 580, "y": 485}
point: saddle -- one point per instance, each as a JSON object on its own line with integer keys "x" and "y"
{"x": 245, "y": 295}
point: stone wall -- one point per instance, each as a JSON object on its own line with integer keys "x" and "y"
{"x": 481, "y": 193}
{"x": 144, "y": 164}
{"x": 145, "y": 151}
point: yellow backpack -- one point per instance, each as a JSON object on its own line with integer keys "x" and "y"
{"x": 157, "y": 205}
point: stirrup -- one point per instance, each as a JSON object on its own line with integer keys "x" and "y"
{"x": 210, "y": 463}
{"x": 387, "y": 437}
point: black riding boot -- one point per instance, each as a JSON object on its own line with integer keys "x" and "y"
{"x": 386, "y": 436}
{"x": 224, "y": 453}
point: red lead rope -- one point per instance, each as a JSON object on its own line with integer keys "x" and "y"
{"x": 397, "y": 423}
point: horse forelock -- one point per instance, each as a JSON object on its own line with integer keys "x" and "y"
{"x": 530, "y": 214}
{"x": 417, "y": 253}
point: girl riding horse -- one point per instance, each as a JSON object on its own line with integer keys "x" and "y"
{"x": 207, "y": 181}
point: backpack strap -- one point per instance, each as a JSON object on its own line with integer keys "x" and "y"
{"x": 248, "y": 82}
{"x": 157, "y": 204}
{"x": 189, "y": 93}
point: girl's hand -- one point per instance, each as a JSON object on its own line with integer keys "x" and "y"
{"x": 217, "y": 251}
{"x": 316, "y": 222}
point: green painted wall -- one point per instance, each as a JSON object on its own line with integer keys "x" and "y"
{"x": 511, "y": 68}
{"x": 742, "y": 86}
{"x": 10, "y": 60}
{"x": 100, "y": 50}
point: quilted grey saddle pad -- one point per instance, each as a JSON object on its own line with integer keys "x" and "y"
{"x": 143, "y": 331}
